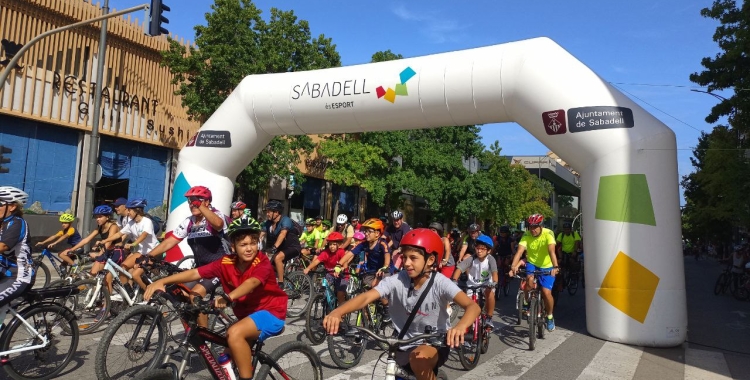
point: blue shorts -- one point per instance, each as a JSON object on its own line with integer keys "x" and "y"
{"x": 267, "y": 324}
{"x": 545, "y": 281}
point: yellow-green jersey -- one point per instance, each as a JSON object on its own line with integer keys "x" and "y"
{"x": 568, "y": 242}
{"x": 309, "y": 238}
{"x": 537, "y": 248}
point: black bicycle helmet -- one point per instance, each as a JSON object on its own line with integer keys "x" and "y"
{"x": 274, "y": 205}
{"x": 437, "y": 226}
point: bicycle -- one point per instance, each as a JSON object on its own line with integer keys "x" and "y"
{"x": 142, "y": 331}
{"x": 537, "y": 310}
{"x": 63, "y": 270}
{"x": 392, "y": 370}
{"x": 197, "y": 339}
{"x": 504, "y": 279}
{"x": 347, "y": 352}
{"x": 323, "y": 303}
{"x": 42, "y": 326}
{"x": 8, "y": 266}
{"x": 571, "y": 281}
{"x": 477, "y": 336}
{"x": 727, "y": 280}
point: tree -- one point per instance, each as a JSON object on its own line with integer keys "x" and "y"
{"x": 514, "y": 193}
{"x": 235, "y": 42}
{"x": 729, "y": 69}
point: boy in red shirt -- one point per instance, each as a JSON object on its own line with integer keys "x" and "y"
{"x": 330, "y": 259}
{"x": 249, "y": 282}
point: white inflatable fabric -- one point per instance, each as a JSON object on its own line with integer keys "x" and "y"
{"x": 626, "y": 157}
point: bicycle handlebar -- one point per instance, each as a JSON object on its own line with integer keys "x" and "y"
{"x": 537, "y": 272}
{"x": 486, "y": 284}
{"x": 433, "y": 339}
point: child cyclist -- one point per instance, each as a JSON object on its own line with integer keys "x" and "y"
{"x": 329, "y": 258}
{"x": 67, "y": 233}
{"x": 310, "y": 238}
{"x": 105, "y": 227}
{"x": 249, "y": 281}
{"x": 422, "y": 250}
{"x": 481, "y": 269}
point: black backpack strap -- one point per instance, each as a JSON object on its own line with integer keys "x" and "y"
{"x": 416, "y": 307}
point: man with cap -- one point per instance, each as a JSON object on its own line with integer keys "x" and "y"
{"x": 121, "y": 211}
{"x": 355, "y": 223}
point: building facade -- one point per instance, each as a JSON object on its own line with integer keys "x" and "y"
{"x": 47, "y": 108}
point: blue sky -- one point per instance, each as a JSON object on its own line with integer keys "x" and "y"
{"x": 646, "y": 48}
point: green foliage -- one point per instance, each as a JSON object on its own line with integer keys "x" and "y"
{"x": 716, "y": 192}
{"x": 235, "y": 42}
{"x": 730, "y": 69}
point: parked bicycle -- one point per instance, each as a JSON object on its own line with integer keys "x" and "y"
{"x": 39, "y": 341}
{"x": 291, "y": 360}
{"x": 392, "y": 370}
{"x": 477, "y": 337}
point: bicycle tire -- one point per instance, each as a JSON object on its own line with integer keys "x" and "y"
{"x": 156, "y": 374}
{"x": 470, "y": 351}
{"x": 441, "y": 375}
{"x": 183, "y": 260}
{"x": 277, "y": 355}
{"x": 41, "y": 269}
{"x": 721, "y": 282}
{"x": 455, "y": 309}
{"x": 314, "y": 320}
{"x": 519, "y": 307}
{"x": 541, "y": 327}
{"x": 145, "y": 317}
{"x": 339, "y": 345}
{"x": 299, "y": 289}
{"x": 63, "y": 319}
{"x": 83, "y": 314}
{"x": 485, "y": 338}
{"x": 506, "y": 287}
{"x": 573, "y": 284}
{"x": 533, "y": 309}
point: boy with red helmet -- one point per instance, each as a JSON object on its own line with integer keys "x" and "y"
{"x": 330, "y": 257}
{"x": 422, "y": 250}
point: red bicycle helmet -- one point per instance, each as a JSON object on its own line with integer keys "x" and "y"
{"x": 535, "y": 220}
{"x": 335, "y": 236}
{"x": 200, "y": 192}
{"x": 239, "y": 205}
{"x": 426, "y": 239}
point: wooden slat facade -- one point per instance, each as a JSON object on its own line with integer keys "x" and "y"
{"x": 55, "y": 82}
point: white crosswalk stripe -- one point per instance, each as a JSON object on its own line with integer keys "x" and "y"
{"x": 613, "y": 361}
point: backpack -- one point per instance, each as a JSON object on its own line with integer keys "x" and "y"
{"x": 158, "y": 224}
{"x": 298, "y": 227}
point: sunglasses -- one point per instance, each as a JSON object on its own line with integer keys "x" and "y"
{"x": 368, "y": 231}
{"x": 534, "y": 226}
{"x": 193, "y": 199}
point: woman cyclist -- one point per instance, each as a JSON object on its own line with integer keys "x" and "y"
{"x": 205, "y": 230}
{"x": 105, "y": 227}
{"x": 14, "y": 241}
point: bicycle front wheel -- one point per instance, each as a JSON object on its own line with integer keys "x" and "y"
{"x": 314, "y": 320}
{"x": 57, "y": 325}
{"x": 471, "y": 349}
{"x": 721, "y": 284}
{"x": 299, "y": 289}
{"x": 346, "y": 351}
{"x": 133, "y": 343}
{"x": 91, "y": 306}
{"x": 292, "y": 360}
{"x": 573, "y": 284}
{"x": 42, "y": 276}
{"x": 533, "y": 322}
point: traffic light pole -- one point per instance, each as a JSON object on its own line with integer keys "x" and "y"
{"x": 28, "y": 45}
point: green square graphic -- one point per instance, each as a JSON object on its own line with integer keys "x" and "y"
{"x": 401, "y": 90}
{"x": 625, "y": 198}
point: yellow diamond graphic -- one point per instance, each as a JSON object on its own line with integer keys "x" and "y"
{"x": 390, "y": 95}
{"x": 629, "y": 287}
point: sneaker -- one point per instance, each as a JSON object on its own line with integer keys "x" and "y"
{"x": 488, "y": 323}
{"x": 116, "y": 297}
{"x": 386, "y": 315}
{"x": 550, "y": 323}
{"x": 101, "y": 314}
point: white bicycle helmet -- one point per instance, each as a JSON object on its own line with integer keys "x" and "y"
{"x": 341, "y": 219}
{"x": 10, "y": 194}
{"x": 397, "y": 215}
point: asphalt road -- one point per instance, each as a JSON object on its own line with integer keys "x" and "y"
{"x": 718, "y": 344}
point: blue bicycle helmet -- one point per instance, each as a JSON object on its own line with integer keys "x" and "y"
{"x": 103, "y": 210}
{"x": 485, "y": 240}
{"x": 136, "y": 203}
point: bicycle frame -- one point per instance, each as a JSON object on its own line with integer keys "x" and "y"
{"x": 15, "y": 315}
{"x": 479, "y": 300}
{"x": 114, "y": 270}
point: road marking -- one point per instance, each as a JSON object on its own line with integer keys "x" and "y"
{"x": 518, "y": 362}
{"x": 613, "y": 361}
{"x": 705, "y": 365}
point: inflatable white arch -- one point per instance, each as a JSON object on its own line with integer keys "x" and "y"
{"x": 626, "y": 157}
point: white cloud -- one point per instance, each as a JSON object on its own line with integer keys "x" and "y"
{"x": 437, "y": 29}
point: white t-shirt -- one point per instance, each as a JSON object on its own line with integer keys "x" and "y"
{"x": 134, "y": 230}
{"x": 122, "y": 221}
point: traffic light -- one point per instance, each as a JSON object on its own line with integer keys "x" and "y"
{"x": 4, "y": 160}
{"x": 156, "y": 18}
